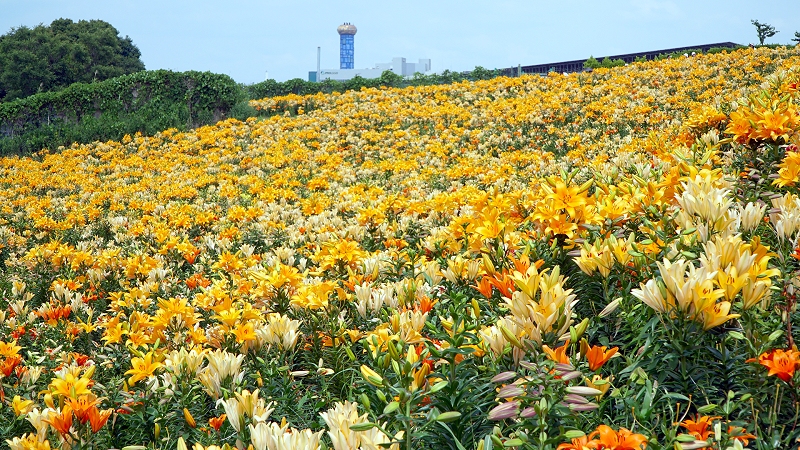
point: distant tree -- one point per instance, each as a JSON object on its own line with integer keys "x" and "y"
{"x": 591, "y": 63}
{"x": 796, "y": 38}
{"x": 420, "y": 79}
{"x": 389, "y": 78}
{"x": 448, "y": 76}
{"x": 763, "y": 30}
{"x": 609, "y": 63}
{"x": 481, "y": 73}
{"x": 356, "y": 83}
{"x": 46, "y": 58}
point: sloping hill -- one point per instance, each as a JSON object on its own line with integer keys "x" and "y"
{"x": 521, "y": 262}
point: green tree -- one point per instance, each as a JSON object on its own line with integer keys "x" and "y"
{"x": 796, "y": 38}
{"x": 591, "y": 63}
{"x": 481, "y": 73}
{"x": 48, "y": 58}
{"x": 389, "y": 78}
{"x": 609, "y": 63}
{"x": 763, "y": 30}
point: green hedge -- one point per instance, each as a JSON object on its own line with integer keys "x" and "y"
{"x": 272, "y": 88}
{"x": 147, "y": 102}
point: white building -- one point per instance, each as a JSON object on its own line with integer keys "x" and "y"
{"x": 398, "y": 66}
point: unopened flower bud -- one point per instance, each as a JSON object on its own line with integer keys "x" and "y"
{"x": 611, "y": 307}
{"x": 504, "y": 411}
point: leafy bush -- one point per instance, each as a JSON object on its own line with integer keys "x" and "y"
{"x": 48, "y": 58}
{"x": 591, "y": 63}
{"x": 145, "y": 102}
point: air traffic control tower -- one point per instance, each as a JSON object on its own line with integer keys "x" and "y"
{"x": 347, "y": 33}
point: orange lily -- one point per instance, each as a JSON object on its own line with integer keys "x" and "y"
{"x": 98, "y": 418}
{"x": 623, "y": 439}
{"x": 781, "y": 363}
{"x": 740, "y": 434}
{"x": 597, "y": 356}
{"x": 700, "y": 428}
{"x": 216, "y": 422}
{"x": 61, "y": 421}
{"x": 504, "y": 284}
{"x": 82, "y": 405}
{"x": 484, "y": 287}
{"x": 580, "y": 443}
{"x": 558, "y": 355}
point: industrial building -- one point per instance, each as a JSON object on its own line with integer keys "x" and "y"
{"x": 347, "y": 32}
{"x": 577, "y": 65}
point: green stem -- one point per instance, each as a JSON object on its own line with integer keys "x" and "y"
{"x": 774, "y": 408}
{"x": 408, "y": 426}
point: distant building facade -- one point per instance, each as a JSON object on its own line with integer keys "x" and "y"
{"x": 347, "y": 32}
{"x": 577, "y": 65}
{"x": 398, "y": 65}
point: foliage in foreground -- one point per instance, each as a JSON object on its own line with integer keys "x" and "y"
{"x": 604, "y": 260}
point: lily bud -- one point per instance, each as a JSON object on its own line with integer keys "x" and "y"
{"x": 488, "y": 266}
{"x": 611, "y": 307}
{"x": 503, "y": 376}
{"x": 189, "y": 419}
{"x": 393, "y": 351}
{"x": 371, "y": 376}
{"x": 510, "y": 337}
{"x": 504, "y": 411}
{"x": 583, "y": 390}
{"x": 581, "y": 328}
{"x": 48, "y": 400}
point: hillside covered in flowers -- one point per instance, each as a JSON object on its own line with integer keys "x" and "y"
{"x": 603, "y": 260}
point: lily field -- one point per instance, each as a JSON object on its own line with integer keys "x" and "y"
{"x": 600, "y": 260}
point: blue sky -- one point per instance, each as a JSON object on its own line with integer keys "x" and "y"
{"x": 245, "y": 39}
